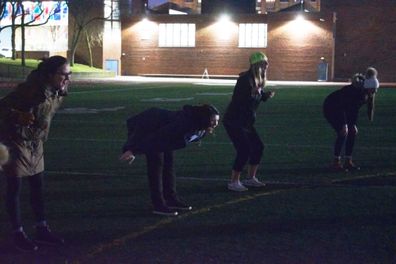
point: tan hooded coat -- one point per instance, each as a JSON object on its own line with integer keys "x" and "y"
{"x": 25, "y": 143}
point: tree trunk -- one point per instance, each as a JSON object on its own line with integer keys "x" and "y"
{"x": 13, "y": 29}
{"x": 23, "y": 60}
{"x": 76, "y": 37}
{"x": 87, "y": 38}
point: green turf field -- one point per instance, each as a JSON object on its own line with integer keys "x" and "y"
{"x": 306, "y": 214}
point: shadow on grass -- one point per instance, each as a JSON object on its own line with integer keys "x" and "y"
{"x": 275, "y": 226}
{"x": 375, "y": 180}
{"x": 45, "y": 254}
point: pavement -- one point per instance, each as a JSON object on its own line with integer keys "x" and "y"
{"x": 7, "y": 83}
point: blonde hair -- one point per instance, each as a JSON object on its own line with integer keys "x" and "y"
{"x": 259, "y": 75}
{"x": 4, "y": 155}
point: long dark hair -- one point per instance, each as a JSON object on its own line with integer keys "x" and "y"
{"x": 32, "y": 89}
{"x": 201, "y": 114}
{"x": 47, "y": 68}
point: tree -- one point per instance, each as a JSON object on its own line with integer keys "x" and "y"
{"x": 84, "y": 13}
{"x": 93, "y": 38}
{"x": 18, "y": 10}
{"x": 2, "y": 9}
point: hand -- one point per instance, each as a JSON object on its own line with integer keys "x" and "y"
{"x": 24, "y": 118}
{"x": 127, "y": 156}
{"x": 270, "y": 94}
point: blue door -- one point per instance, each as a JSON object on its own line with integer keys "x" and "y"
{"x": 112, "y": 65}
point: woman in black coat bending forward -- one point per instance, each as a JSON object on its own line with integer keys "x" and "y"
{"x": 341, "y": 110}
{"x": 157, "y": 133}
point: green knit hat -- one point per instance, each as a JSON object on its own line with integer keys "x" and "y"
{"x": 257, "y": 57}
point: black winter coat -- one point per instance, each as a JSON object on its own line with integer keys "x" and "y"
{"x": 241, "y": 111}
{"x": 159, "y": 130}
{"x": 342, "y": 106}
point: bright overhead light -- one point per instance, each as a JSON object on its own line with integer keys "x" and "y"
{"x": 299, "y": 18}
{"x": 224, "y": 27}
{"x": 146, "y": 28}
{"x": 224, "y": 18}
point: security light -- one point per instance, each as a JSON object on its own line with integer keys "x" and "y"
{"x": 299, "y": 18}
{"x": 224, "y": 18}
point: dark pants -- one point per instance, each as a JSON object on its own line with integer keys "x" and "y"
{"x": 336, "y": 121}
{"x": 36, "y": 198}
{"x": 348, "y": 140}
{"x": 248, "y": 145}
{"x": 161, "y": 178}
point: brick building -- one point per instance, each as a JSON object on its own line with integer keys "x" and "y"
{"x": 106, "y": 50}
{"x": 187, "y": 45}
{"x": 350, "y": 35}
{"x": 365, "y": 35}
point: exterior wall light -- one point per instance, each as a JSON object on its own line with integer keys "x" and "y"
{"x": 224, "y": 27}
{"x": 146, "y": 28}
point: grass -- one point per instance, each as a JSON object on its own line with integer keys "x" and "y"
{"x": 306, "y": 214}
{"x": 15, "y": 65}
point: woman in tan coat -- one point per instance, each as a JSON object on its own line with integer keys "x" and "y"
{"x": 25, "y": 118}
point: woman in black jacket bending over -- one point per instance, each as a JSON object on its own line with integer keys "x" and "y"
{"x": 239, "y": 119}
{"x": 156, "y": 133}
{"x": 341, "y": 110}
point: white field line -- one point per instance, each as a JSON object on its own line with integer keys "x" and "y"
{"x": 119, "y": 89}
{"x": 146, "y": 79}
{"x": 213, "y": 179}
{"x": 136, "y": 80}
{"x": 112, "y": 174}
{"x": 228, "y": 143}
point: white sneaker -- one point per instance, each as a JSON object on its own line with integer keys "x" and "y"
{"x": 253, "y": 182}
{"x": 236, "y": 186}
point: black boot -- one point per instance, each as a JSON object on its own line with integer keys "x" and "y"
{"x": 350, "y": 166}
{"x": 23, "y": 243}
{"x": 44, "y": 235}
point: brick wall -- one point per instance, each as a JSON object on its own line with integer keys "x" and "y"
{"x": 290, "y": 58}
{"x": 365, "y": 36}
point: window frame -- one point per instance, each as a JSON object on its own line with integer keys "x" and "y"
{"x": 252, "y": 35}
{"x": 176, "y": 35}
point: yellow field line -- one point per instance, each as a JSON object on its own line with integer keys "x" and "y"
{"x": 362, "y": 177}
{"x": 133, "y": 235}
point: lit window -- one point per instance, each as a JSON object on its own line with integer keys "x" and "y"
{"x": 253, "y": 35}
{"x": 111, "y": 10}
{"x": 176, "y": 35}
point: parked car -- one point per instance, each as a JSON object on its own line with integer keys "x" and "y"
{"x": 5, "y": 52}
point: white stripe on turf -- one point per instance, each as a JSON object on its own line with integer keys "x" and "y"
{"x": 229, "y": 143}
